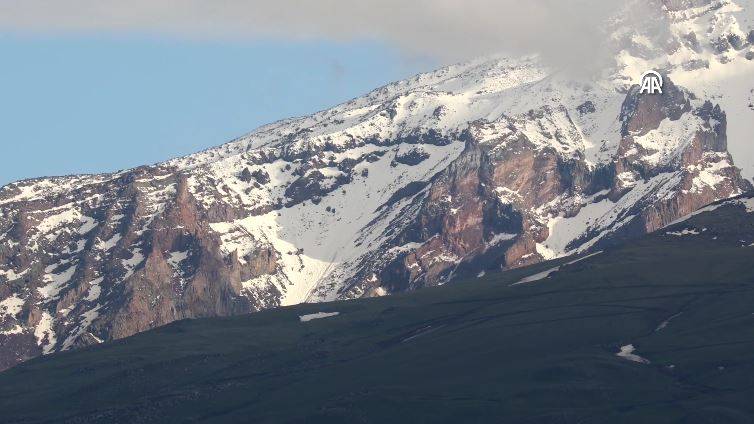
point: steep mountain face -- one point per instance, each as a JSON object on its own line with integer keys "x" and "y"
{"x": 492, "y": 164}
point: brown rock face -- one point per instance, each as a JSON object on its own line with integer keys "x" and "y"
{"x": 131, "y": 266}
{"x": 490, "y": 209}
{"x": 705, "y": 150}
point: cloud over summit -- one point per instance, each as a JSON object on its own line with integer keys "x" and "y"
{"x": 445, "y": 29}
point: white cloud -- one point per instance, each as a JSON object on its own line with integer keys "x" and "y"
{"x": 445, "y": 29}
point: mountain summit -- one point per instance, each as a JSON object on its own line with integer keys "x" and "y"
{"x": 491, "y": 164}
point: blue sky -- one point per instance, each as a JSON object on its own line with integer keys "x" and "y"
{"x": 101, "y": 85}
{"x": 86, "y": 103}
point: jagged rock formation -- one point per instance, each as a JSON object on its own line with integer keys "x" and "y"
{"x": 496, "y": 163}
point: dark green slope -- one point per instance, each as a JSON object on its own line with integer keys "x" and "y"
{"x": 482, "y": 351}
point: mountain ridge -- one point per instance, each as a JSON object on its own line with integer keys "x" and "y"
{"x": 491, "y": 164}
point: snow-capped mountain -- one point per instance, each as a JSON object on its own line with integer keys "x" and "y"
{"x": 491, "y": 164}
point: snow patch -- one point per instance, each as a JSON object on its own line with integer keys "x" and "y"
{"x": 665, "y": 323}
{"x": 499, "y": 238}
{"x": 684, "y": 232}
{"x": 53, "y": 222}
{"x": 546, "y": 273}
{"x": 86, "y": 320}
{"x": 11, "y": 306}
{"x": 45, "y": 334}
{"x": 109, "y": 244}
{"x": 88, "y": 225}
{"x": 176, "y": 258}
{"x": 95, "y": 290}
{"x": 318, "y": 315}
{"x": 408, "y": 247}
{"x": 11, "y": 275}
{"x": 627, "y": 353}
{"x": 598, "y": 219}
{"x": 748, "y": 204}
{"x": 15, "y": 330}
{"x": 131, "y": 264}
{"x": 56, "y": 282}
